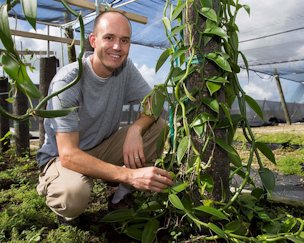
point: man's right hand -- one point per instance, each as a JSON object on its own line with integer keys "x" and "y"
{"x": 150, "y": 179}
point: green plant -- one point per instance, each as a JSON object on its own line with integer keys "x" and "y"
{"x": 204, "y": 51}
{"x": 15, "y": 68}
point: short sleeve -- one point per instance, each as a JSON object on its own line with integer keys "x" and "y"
{"x": 67, "y": 99}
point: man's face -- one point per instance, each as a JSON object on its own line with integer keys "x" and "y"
{"x": 111, "y": 43}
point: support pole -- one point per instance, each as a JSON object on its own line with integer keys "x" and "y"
{"x": 48, "y": 67}
{"x": 69, "y": 33}
{"x": 281, "y": 93}
{"x": 21, "y": 128}
{"x": 219, "y": 169}
{"x": 4, "y": 122}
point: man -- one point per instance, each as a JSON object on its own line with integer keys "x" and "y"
{"x": 87, "y": 143}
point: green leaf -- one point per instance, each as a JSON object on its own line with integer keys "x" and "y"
{"x": 30, "y": 11}
{"x": 119, "y": 215}
{"x": 167, "y": 24}
{"x": 220, "y": 61}
{"x": 177, "y": 30}
{"x": 207, "y": 3}
{"x": 10, "y": 100}
{"x": 234, "y": 40}
{"x": 199, "y": 129}
{"x": 178, "y": 53}
{"x": 53, "y": 113}
{"x": 218, "y": 79}
{"x": 254, "y": 106}
{"x": 245, "y": 62}
{"x": 217, "y": 230}
{"x": 158, "y": 100}
{"x": 176, "y": 202}
{"x": 195, "y": 220}
{"x": 150, "y": 230}
{"x": 5, "y": 35}
{"x": 247, "y": 8}
{"x": 17, "y": 71}
{"x": 266, "y": 151}
{"x": 209, "y": 13}
{"x": 296, "y": 239}
{"x": 179, "y": 187}
{"x": 182, "y": 148}
{"x": 216, "y": 31}
{"x": 232, "y": 226}
{"x": 162, "y": 59}
{"x": 232, "y": 153}
{"x": 268, "y": 179}
{"x": 188, "y": 94}
{"x": 227, "y": 113}
{"x": 133, "y": 232}
{"x": 236, "y": 227}
{"x": 151, "y": 206}
{"x": 178, "y": 10}
{"x": 212, "y": 103}
{"x": 207, "y": 182}
{"x": 212, "y": 211}
{"x": 202, "y": 118}
{"x": 257, "y": 193}
{"x": 213, "y": 87}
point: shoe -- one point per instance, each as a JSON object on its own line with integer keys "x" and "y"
{"x": 74, "y": 222}
{"x": 126, "y": 203}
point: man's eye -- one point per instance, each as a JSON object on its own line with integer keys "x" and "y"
{"x": 108, "y": 37}
{"x": 125, "y": 41}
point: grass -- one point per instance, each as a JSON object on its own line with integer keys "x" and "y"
{"x": 287, "y": 146}
{"x": 282, "y": 134}
{"x": 24, "y": 217}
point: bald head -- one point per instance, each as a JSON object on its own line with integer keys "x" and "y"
{"x": 108, "y": 14}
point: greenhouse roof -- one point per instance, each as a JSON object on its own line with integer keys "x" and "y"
{"x": 272, "y": 37}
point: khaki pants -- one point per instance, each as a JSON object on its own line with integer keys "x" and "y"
{"x": 68, "y": 192}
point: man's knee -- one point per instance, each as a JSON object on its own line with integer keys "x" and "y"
{"x": 160, "y": 125}
{"x": 71, "y": 199}
{"x": 154, "y": 139}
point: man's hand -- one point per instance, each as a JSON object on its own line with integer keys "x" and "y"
{"x": 133, "y": 148}
{"x": 150, "y": 178}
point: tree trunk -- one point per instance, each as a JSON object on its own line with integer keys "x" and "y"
{"x": 48, "y": 67}
{"x": 4, "y": 122}
{"x": 219, "y": 169}
{"x": 71, "y": 48}
{"x": 21, "y": 128}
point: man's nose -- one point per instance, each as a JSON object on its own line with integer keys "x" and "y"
{"x": 117, "y": 45}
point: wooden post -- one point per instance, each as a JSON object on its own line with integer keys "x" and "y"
{"x": 71, "y": 48}
{"x": 219, "y": 169}
{"x": 48, "y": 67}
{"x": 281, "y": 93}
{"x": 21, "y": 128}
{"x": 4, "y": 122}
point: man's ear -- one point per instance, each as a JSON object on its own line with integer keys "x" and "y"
{"x": 92, "y": 40}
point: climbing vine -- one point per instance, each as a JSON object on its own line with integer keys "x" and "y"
{"x": 15, "y": 68}
{"x": 203, "y": 38}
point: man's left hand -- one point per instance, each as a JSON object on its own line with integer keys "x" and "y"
{"x": 133, "y": 148}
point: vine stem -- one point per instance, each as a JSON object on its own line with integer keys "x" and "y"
{"x": 31, "y": 111}
{"x": 79, "y": 58}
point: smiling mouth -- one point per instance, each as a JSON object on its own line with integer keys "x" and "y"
{"x": 115, "y": 56}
